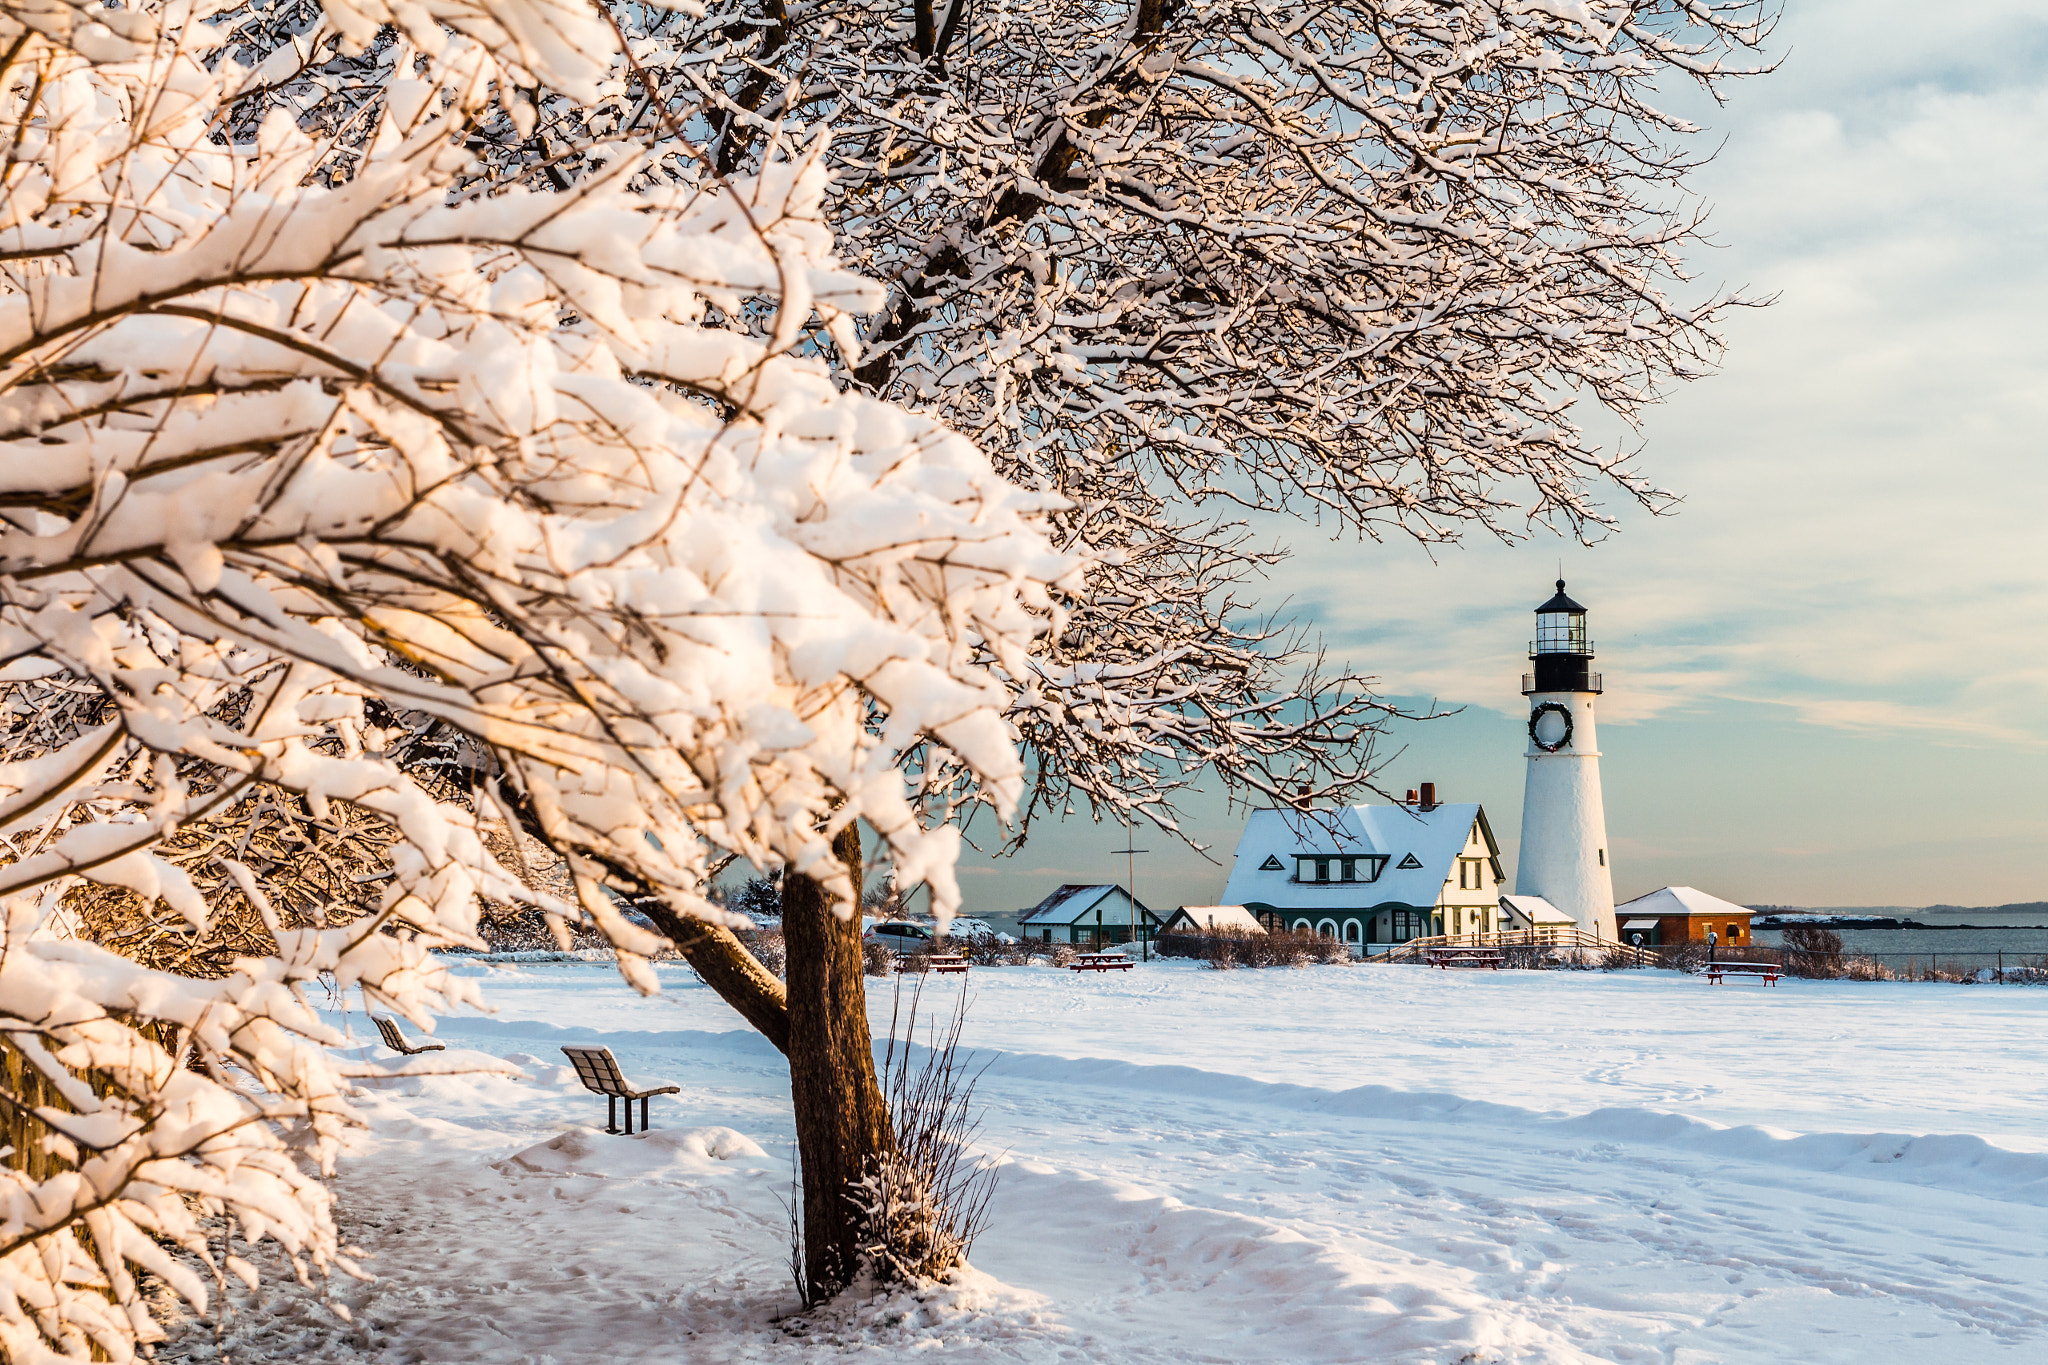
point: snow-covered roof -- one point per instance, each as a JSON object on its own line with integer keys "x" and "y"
{"x": 1219, "y": 917}
{"x": 1072, "y": 901}
{"x": 1535, "y": 909}
{"x": 1421, "y": 848}
{"x": 1679, "y": 900}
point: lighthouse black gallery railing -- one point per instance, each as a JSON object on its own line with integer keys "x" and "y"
{"x": 1593, "y": 684}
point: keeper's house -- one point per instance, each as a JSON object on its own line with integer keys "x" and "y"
{"x": 1094, "y": 915}
{"x": 1371, "y": 874}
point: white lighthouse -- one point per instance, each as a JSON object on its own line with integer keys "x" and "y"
{"x": 1563, "y": 857}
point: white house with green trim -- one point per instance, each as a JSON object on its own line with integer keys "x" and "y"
{"x": 1094, "y": 915}
{"x": 1371, "y": 875}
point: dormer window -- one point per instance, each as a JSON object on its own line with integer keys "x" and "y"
{"x": 1323, "y": 868}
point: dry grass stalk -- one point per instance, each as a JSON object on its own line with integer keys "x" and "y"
{"x": 926, "y": 1203}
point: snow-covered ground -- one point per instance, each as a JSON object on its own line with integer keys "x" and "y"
{"x": 1330, "y": 1164}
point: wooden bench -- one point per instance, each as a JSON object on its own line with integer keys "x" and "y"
{"x": 1766, "y": 972}
{"x": 599, "y": 1072}
{"x": 1101, "y": 962}
{"x": 938, "y": 962}
{"x": 396, "y": 1041}
{"x": 1452, "y": 956}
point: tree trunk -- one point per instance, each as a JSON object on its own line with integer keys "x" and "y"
{"x": 728, "y": 968}
{"x": 842, "y": 1119}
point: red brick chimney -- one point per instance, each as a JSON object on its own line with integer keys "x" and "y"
{"x": 1429, "y": 796}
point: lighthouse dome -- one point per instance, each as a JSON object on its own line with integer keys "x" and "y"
{"x": 1560, "y": 603}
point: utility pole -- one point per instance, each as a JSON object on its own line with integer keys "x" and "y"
{"x": 1131, "y": 887}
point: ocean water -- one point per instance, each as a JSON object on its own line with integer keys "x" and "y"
{"x": 1976, "y": 936}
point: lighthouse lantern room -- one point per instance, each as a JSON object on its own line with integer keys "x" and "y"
{"x": 1563, "y": 857}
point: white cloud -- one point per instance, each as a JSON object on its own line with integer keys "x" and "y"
{"x": 1863, "y": 533}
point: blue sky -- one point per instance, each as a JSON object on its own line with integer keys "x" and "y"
{"x": 1827, "y": 672}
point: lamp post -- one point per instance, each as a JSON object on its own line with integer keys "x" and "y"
{"x": 1131, "y": 888}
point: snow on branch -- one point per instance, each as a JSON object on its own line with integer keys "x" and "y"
{"x": 1359, "y": 261}
{"x": 350, "y": 496}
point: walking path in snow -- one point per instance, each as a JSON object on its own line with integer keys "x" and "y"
{"x": 1332, "y": 1164}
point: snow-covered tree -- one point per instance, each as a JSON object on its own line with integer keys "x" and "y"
{"x": 1173, "y": 258}
{"x": 314, "y": 438}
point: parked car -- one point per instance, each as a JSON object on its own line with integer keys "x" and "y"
{"x": 975, "y": 930}
{"x": 901, "y": 936}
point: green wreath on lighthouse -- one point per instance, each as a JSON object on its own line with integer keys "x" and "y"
{"x": 1536, "y": 716}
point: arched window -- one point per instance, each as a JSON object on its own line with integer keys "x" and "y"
{"x": 1327, "y": 929}
{"x": 1300, "y": 924}
{"x": 1351, "y": 931}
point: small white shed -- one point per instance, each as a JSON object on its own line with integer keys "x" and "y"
{"x": 1197, "y": 919}
{"x": 1534, "y": 912}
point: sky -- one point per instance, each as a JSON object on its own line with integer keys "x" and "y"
{"x": 1827, "y": 670}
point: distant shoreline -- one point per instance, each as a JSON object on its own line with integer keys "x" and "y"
{"x": 1782, "y": 920}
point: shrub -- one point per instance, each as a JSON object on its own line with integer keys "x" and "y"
{"x": 1685, "y": 957}
{"x": 1227, "y": 948}
{"x": 1812, "y": 951}
{"x": 990, "y": 952}
{"x": 505, "y": 929}
{"x": 767, "y": 946}
{"x": 877, "y": 958}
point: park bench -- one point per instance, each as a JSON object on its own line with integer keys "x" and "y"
{"x": 599, "y": 1072}
{"x": 1101, "y": 962}
{"x": 396, "y": 1041}
{"x": 1765, "y": 972}
{"x": 1452, "y": 955}
{"x": 938, "y": 962}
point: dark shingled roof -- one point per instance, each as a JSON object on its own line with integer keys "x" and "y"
{"x": 1561, "y": 602}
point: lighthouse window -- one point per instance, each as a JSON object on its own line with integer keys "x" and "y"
{"x": 1560, "y": 632}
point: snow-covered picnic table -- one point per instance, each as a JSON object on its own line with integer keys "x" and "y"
{"x": 1766, "y": 972}
{"x": 1100, "y": 962}
{"x": 1466, "y": 955}
{"x": 937, "y": 962}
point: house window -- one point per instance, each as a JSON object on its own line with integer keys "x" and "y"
{"x": 1603, "y": 857}
{"x": 1734, "y": 932}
